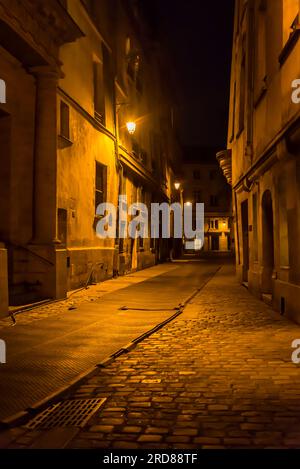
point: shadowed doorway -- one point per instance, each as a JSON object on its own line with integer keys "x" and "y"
{"x": 245, "y": 228}
{"x": 268, "y": 242}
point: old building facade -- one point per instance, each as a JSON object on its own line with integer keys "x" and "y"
{"x": 262, "y": 156}
{"x": 203, "y": 182}
{"x": 76, "y": 72}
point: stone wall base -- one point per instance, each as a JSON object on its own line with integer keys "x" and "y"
{"x": 286, "y": 299}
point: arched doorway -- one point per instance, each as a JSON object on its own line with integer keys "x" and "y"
{"x": 268, "y": 242}
{"x": 245, "y": 229}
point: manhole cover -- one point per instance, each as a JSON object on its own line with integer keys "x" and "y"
{"x": 69, "y": 413}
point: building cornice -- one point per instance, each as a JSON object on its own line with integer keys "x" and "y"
{"x": 42, "y": 27}
{"x": 269, "y": 155}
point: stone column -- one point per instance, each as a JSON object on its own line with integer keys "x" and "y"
{"x": 45, "y": 157}
{"x": 53, "y": 275}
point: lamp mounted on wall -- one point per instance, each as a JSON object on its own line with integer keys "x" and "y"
{"x": 131, "y": 127}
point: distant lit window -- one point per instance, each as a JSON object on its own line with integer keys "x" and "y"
{"x": 64, "y": 120}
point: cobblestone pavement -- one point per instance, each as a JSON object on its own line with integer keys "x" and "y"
{"x": 220, "y": 376}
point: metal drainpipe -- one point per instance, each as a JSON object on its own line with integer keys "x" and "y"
{"x": 120, "y": 170}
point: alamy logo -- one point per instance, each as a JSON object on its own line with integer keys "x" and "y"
{"x": 296, "y": 353}
{"x": 2, "y": 92}
{"x": 2, "y": 352}
{"x": 135, "y": 221}
{"x": 296, "y": 92}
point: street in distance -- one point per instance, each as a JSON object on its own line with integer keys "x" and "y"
{"x": 152, "y": 458}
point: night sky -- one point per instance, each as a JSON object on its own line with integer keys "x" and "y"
{"x": 198, "y": 35}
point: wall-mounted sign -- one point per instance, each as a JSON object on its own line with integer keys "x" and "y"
{"x": 2, "y": 92}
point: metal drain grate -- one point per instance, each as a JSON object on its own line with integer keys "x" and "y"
{"x": 69, "y": 413}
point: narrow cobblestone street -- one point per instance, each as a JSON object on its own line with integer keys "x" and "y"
{"x": 220, "y": 376}
{"x": 51, "y": 346}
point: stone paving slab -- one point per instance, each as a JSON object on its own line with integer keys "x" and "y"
{"x": 47, "y": 354}
{"x": 93, "y": 292}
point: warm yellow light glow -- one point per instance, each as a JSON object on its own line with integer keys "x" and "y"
{"x": 177, "y": 185}
{"x": 188, "y": 204}
{"x": 131, "y": 127}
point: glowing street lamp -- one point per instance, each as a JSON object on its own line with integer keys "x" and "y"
{"x": 177, "y": 185}
{"x": 131, "y": 127}
{"x": 188, "y": 204}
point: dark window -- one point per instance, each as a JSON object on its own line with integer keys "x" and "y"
{"x": 100, "y": 184}
{"x": 197, "y": 174}
{"x": 233, "y": 113}
{"x": 242, "y": 97}
{"x": 99, "y": 98}
{"x": 295, "y": 23}
{"x": 88, "y": 5}
{"x": 217, "y": 224}
{"x": 212, "y": 175}
{"x": 63, "y": 3}
{"x": 136, "y": 149}
{"x": 214, "y": 202}
{"x": 255, "y": 227}
{"x": 64, "y": 120}
{"x": 198, "y": 197}
{"x": 215, "y": 243}
{"x": 108, "y": 89}
{"x": 62, "y": 225}
{"x": 130, "y": 68}
{"x": 139, "y": 82}
{"x": 144, "y": 157}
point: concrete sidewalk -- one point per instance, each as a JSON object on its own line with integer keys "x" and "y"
{"x": 220, "y": 376}
{"x": 50, "y": 347}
